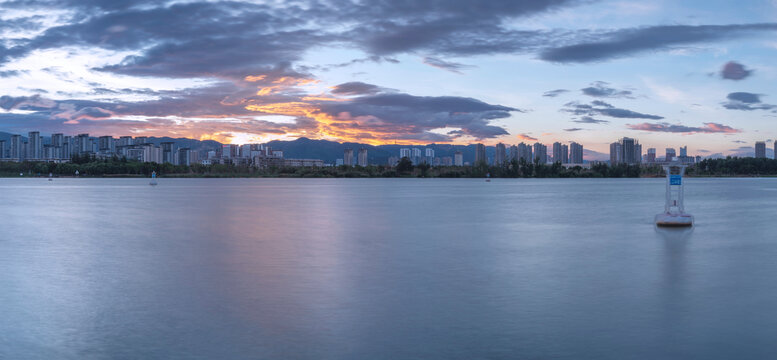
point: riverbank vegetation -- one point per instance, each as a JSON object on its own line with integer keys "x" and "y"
{"x": 120, "y": 167}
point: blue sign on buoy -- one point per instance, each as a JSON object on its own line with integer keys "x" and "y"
{"x": 675, "y": 180}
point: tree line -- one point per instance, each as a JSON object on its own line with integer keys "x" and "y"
{"x": 517, "y": 168}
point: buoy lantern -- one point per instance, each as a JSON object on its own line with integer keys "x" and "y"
{"x": 674, "y": 210}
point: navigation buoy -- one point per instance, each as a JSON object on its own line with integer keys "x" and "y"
{"x": 153, "y": 179}
{"x": 488, "y": 177}
{"x": 674, "y": 210}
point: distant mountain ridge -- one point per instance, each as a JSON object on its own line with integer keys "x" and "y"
{"x": 329, "y": 151}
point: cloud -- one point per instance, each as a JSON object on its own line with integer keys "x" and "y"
{"x": 631, "y": 41}
{"x": 356, "y": 88}
{"x": 734, "y": 71}
{"x": 590, "y": 120}
{"x": 746, "y": 101}
{"x": 574, "y": 129}
{"x": 554, "y": 93}
{"x": 446, "y": 65}
{"x": 708, "y": 128}
{"x": 526, "y": 137}
{"x": 601, "y": 90}
{"x": 598, "y": 107}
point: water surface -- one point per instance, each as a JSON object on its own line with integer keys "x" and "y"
{"x": 385, "y": 269}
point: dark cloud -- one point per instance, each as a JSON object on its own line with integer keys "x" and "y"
{"x": 446, "y": 65}
{"x": 554, "y": 93}
{"x": 590, "y": 120}
{"x": 626, "y": 42}
{"x": 9, "y": 73}
{"x": 598, "y": 107}
{"x": 383, "y": 116}
{"x": 673, "y": 128}
{"x": 734, "y": 71}
{"x": 357, "y": 88}
{"x": 601, "y": 90}
{"x": 746, "y": 101}
{"x": 574, "y": 129}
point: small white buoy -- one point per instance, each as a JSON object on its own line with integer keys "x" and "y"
{"x": 50, "y": 175}
{"x": 674, "y": 210}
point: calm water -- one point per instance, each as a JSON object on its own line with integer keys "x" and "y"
{"x": 385, "y": 269}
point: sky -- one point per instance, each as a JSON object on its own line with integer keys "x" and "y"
{"x": 668, "y": 73}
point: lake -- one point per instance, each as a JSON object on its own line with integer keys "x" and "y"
{"x": 385, "y": 269}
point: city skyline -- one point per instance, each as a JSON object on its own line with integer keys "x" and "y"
{"x": 696, "y": 74}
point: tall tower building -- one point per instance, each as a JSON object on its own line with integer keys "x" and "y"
{"x": 480, "y": 154}
{"x": 17, "y": 148}
{"x": 670, "y": 155}
{"x": 429, "y": 156}
{"x": 514, "y": 153}
{"x": 616, "y": 153}
{"x": 168, "y": 152}
{"x": 651, "y": 155}
{"x": 405, "y": 152}
{"x": 564, "y": 154}
{"x": 2, "y": 149}
{"x": 760, "y": 149}
{"x": 775, "y": 149}
{"x": 458, "y": 158}
{"x": 557, "y": 150}
{"x": 683, "y": 151}
{"x": 540, "y": 153}
{"x": 500, "y": 156}
{"x": 35, "y": 145}
{"x": 362, "y": 158}
{"x": 348, "y": 157}
{"x": 575, "y": 153}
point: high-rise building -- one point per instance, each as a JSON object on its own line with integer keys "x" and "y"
{"x": 480, "y": 154}
{"x": 760, "y": 149}
{"x": 169, "y": 153}
{"x": 500, "y": 155}
{"x": 564, "y": 154}
{"x": 2, "y": 149}
{"x": 513, "y": 153}
{"x": 683, "y": 151}
{"x": 458, "y": 158}
{"x": 540, "y": 153}
{"x": 429, "y": 156}
{"x": 525, "y": 153}
{"x": 557, "y": 150}
{"x": 416, "y": 157}
{"x": 625, "y": 151}
{"x": 405, "y": 152}
{"x": 348, "y": 157}
{"x": 447, "y": 161}
{"x": 35, "y": 145}
{"x": 638, "y": 153}
{"x": 575, "y": 153}
{"x": 775, "y": 149}
{"x": 83, "y": 144}
{"x": 670, "y": 155}
{"x": 630, "y": 154}
{"x": 125, "y": 141}
{"x": 362, "y": 157}
{"x": 651, "y": 155}
{"x": 106, "y": 144}
{"x": 17, "y": 149}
